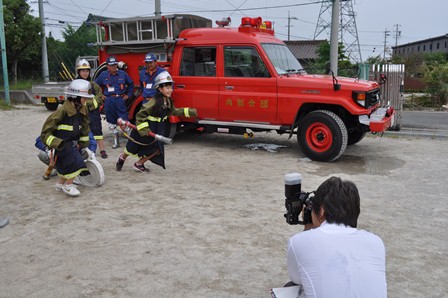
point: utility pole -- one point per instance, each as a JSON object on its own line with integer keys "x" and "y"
{"x": 289, "y": 23}
{"x": 158, "y": 9}
{"x": 45, "y": 75}
{"x": 397, "y": 33}
{"x": 4, "y": 60}
{"x": 386, "y": 34}
{"x": 334, "y": 42}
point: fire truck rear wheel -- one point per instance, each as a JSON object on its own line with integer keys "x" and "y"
{"x": 322, "y": 136}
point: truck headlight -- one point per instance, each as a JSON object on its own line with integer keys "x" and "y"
{"x": 359, "y": 97}
{"x": 366, "y": 99}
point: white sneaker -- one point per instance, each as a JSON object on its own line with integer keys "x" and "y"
{"x": 59, "y": 186}
{"x": 71, "y": 190}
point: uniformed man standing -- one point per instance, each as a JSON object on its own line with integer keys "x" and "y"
{"x": 148, "y": 77}
{"x": 117, "y": 88}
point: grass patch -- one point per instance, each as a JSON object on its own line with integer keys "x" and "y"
{"x": 4, "y": 106}
{"x": 22, "y": 85}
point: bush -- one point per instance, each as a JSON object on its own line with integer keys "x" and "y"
{"x": 417, "y": 101}
{"x": 436, "y": 80}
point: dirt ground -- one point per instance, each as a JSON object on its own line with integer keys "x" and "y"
{"x": 211, "y": 224}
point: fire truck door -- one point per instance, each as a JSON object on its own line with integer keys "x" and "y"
{"x": 247, "y": 92}
{"x": 197, "y": 83}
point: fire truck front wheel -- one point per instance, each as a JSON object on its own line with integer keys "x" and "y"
{"x": 322, "y": 136}
{"x": 355, "y": 136}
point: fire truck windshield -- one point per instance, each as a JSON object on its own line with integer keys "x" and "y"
{"x": 282, "y": 59}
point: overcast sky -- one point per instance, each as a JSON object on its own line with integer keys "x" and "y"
{"x": 416, "y": 20}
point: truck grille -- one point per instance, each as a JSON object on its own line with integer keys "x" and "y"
{"x": 372, "y": 97}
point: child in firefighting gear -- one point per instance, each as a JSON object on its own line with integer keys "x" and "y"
{"x": 93, "y": 105}
{"x": 66, "y": 131}
{"x": 150, "y": 120}
{"x": 44, "y": 154}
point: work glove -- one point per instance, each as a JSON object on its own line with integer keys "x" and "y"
{"x": 61, "y": 146}
{"x": 192, "y": 112}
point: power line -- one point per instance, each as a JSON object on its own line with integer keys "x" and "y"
{"x": 253, "y": 8}
{"x": 110, "y": 2}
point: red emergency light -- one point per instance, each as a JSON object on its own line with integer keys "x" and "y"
{"x": 268, "y": 25}
{"x": 256, "y": 24}
{"x": 251, "y": 22}
{"x": 245, "y": 21}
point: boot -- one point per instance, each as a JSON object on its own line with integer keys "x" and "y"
{"x": 116, "y": 141}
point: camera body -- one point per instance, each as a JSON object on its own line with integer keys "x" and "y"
{"x": 297, "y": 201}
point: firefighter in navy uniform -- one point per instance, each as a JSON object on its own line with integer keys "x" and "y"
{"x": 148, "y": 77}
{"x": 117, "y": 88}
{"x": 67, "y": 131}
{"x": 93, "y": 105}
{"x": 150, "y": 121}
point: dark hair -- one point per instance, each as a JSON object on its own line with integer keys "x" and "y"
{"x": 157, "y": 109}
{"x": 340, "y": 199}
{"x": 164, "y": 84}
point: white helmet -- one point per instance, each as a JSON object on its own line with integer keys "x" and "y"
{"x": 80, "y": 88}
{"x": 163, "y": 78}
{"x": 83, "y": 64}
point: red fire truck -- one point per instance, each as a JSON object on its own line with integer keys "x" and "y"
{"x": 245, "y": 80}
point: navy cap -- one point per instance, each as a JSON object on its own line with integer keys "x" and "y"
{"x": 111, "y": 60}
{"x": 150, "y": 57}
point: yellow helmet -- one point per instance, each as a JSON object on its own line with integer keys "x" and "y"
{"x": 83, "y": 64}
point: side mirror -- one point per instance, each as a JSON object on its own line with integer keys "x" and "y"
{"x": 383, "y": 78}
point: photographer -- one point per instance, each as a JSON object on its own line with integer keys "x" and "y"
{"x": 332, "y": 258}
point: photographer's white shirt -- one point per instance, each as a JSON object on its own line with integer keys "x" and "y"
{"x": 338, "y": 261}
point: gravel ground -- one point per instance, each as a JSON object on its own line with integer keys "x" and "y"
{"x": 211, "y": 224}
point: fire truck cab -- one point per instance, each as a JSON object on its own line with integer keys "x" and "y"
{"x": 245, "y": 80}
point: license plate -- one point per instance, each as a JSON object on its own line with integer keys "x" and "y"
{"x": 51, "y": 99}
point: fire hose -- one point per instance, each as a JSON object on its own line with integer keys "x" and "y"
{"x": 124, "y": 124}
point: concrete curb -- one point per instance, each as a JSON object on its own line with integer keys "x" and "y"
{"x": 20, "y": 97}
{"x": 419, "y": 133}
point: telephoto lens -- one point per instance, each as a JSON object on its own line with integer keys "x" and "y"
{"x": 293, "y": 185}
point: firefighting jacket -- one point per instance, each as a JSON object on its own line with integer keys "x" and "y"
{"x": 66, "y": 126}
{"x": 95, "y": 102}
{"x": 154, "y": 114}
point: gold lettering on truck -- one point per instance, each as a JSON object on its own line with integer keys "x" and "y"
{"x": 264, "y": 103}
{"x": 251, "y": 103}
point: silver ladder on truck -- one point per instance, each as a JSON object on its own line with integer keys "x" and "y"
{"x": 134, "y": 31}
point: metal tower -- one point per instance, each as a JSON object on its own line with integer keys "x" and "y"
{"x": 348, "y": 33}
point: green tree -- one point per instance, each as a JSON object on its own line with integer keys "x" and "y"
{"x": 322, "y": 64}
{"x": 22, "y": 36}
{"x": 77, "y": 43}
{"x": 435, "y": 76}
{"x": 374, "y": 60}
{"x": 56, "y": 48}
